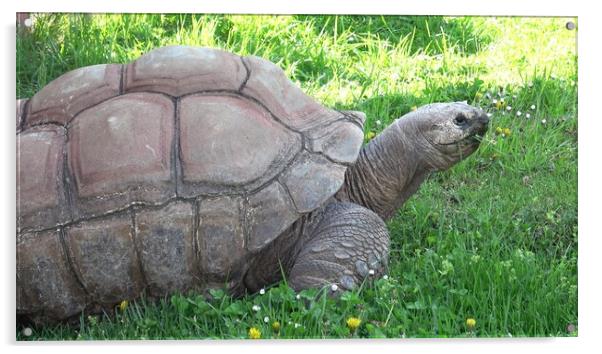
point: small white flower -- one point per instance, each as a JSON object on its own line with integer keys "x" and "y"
{"x": 256, "y": 308}
{"x": 262, "y": 291}
{"x": 509, "y": 108}
{"x": 371, "y": 272}
{"x": 514, "y": 96}
{"x": 518, "y": 113}
{"x": 385, "y": 277}
{"x": 543, "y": 121}
{"x": 298, "y": 297}
{"x": 27, "y": 332}
{"x": 532, "y": 106}
{"x": 334, "y": 287}
{"x": 489, "y": 115}
{"x": 530, "y": 84}
{"x": 266, "y": 319}
{"x": 378, "y": 122}
{"x": 297, "y": 325}
{"x": 494, "y": 101}
{"x": 527, "y": 115}
{"x": 502, "y": 100}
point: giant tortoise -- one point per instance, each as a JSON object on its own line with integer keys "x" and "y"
{"x": 193, "y": 168}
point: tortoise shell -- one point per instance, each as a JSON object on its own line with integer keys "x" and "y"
{"x": 186, "y": 159}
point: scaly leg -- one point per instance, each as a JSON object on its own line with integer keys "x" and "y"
{"x": 349, "y": 244}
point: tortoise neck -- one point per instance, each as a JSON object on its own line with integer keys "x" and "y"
{"x": 387, "y": 172}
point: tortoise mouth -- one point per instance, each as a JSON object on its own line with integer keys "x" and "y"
{"x": 462, "y": 147}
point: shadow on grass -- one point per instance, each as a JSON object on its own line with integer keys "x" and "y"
{"x": 392, "y": 106}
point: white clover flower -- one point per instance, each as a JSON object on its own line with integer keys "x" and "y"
{"x": 518, "y": 113}
{"x": 494, "y": 101}
{"x": 489, "y": 115}
{"x": 266, "y": 319}
{"x": 256, "y": 308}
{"x": 527, "y": 115}
{"x": 543, "y": 121}
{"x": 297, "y": 325}
{"x": 530, "y": 84}
{"x": 298, "y": 297}
{"x": 378, "y": 122}
{"x": 28, "y": 22}
{"x": 385, "y": 277}
{"x": 509, "y": 108}
{"x": 532, "y": 106}
{"x": 262, "y": 291}
{"x": 334, "y": 287}
{"x": 371, "y": 272}
{"x": 27, "y": 332}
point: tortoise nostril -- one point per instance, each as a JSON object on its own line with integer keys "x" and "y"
{"x": 484, "y": 119}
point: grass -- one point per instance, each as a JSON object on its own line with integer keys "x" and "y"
{"x": 493, "y": 239}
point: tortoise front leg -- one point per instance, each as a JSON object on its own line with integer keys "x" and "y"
{"x": 349, "y": 244}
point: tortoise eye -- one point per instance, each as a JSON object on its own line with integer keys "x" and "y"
{"x": 460, "y": 119}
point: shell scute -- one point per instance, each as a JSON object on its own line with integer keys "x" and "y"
{"x": 120, "y": 152}
{"x": 40, "y": 190}
{"x": 269, "y": 85}
{"x": 180, "y": 70}
{"x": 230, "y": 143}
{"x": 60, "y": 100}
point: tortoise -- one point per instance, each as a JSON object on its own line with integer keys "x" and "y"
{"x": 192, "y": 168}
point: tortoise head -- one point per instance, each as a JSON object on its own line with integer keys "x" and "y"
{"x": 447, "y": 132}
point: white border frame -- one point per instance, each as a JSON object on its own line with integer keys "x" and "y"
{"x": 588, "y": 177}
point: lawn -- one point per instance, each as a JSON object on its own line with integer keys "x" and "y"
{"x": 493, "y": 240}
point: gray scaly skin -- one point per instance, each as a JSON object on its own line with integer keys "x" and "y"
{"x": 347, "y": 240}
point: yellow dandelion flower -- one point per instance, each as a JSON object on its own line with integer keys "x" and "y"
{"x": 254, "y": 333}
{"x": 276, "y": 326}
{"x": 507, "y": 132}
{"x": 499, "y": 104}
{"x": 499, "y": 130}
{"x": 370, "y": 135}
{"x": 471, "y": 323}
{"x": 353, "y": 323}
{"x": 123, "y": 305}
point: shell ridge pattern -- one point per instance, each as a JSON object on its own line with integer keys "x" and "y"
{"x": 135, "y": 242}
{"x": 250, "y": 187}
{"x": 68, "y": 254}
{"x": 244, "y": 83}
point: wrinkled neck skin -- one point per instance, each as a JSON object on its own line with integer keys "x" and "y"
{"x": 389, "y": 169}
